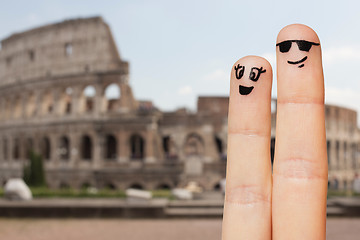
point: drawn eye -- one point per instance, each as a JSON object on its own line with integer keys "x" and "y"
{"x": 304, "y": 45}
{"x": 284, "y": 46}
{"x": 255, "y": 73}
{"x": 239, "y": 71}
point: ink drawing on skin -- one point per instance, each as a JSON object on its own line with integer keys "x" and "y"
{"x": 253, "y": 76}
{"x": 303, "y": 45}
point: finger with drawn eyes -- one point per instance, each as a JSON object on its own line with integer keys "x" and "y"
{"x": 247, "y": 210}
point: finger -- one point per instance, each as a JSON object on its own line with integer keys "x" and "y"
{"x": 300, "y": 167}
{"x": 247, "y": 210}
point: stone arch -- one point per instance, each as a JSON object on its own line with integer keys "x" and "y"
{"x": 45, "y": 148}
{"x": 335, "y": 183}
{"x": 47, "y": 103}
{"x": 169, "y": 147}
{"x": 30, "y": 109}
{"x": 110, "y": 147}
{"x": 345, "y": 153}
{"x": 68, "y": 49}
{"x": 111, "y": 186}
{"x": 64, "y": 148}
{"x": 5, "y": 149}
{"x": 137, "y": 146}
{"x": 163, "y": 186}
{"x": 194, "y": 145}
{"x": 217, "y": 186}
{"x": 16, "y": 149}
{"x": 66, "y": 100}
{"x": 112, "y": 95}
{"x": 17, "y": 107}
{"x": 7, "y": 109}
{"x": 86, "y": 147}
{"x": 214, "y": 184}
{"x": 136, "y": 185}
{"x": 353, "y": 155}
{"x": 29, "y": 147}
{"x": 166, "y": 145}
{"x": 219, "y": 143}
{"x": 87, "y": 99}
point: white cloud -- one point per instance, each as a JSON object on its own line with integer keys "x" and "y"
{"x": 346, "y": 97}
{"x": 219, "y": 75}
{"x": 185, "y": 90}
{"x": 339, "y": 54}
{"x": 271, "y": 57}
{"x": 33, "y": 19}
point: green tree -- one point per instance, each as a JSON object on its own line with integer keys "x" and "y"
{"x": 34, "y": 171}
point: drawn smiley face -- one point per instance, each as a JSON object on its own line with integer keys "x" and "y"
{"x": 303, "y": 45}
{"x": 254, "y": 76}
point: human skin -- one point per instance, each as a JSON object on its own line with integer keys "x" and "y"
{"x": 290, "y": 201}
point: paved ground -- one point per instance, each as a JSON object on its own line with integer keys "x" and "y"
{"x": 107, "y": 229}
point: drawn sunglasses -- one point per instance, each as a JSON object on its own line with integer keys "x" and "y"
{"x": 302, "y": 44}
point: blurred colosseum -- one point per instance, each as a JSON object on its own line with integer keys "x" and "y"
{"x": 65, "y": 93}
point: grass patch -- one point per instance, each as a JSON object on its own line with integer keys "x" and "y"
{"x": 342, "y": 193}
{"x": 43, "y": 192}
{"x": 162, "y": 194}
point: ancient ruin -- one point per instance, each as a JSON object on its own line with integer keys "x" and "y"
{"x": 53, "y": 100}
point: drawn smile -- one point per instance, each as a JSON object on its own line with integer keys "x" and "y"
{"x": 245, "y": 90}
{"x": 297, "y": 62}
{"x": 254, "y": 76}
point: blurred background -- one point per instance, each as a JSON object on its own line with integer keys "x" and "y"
{"x": 114, "y": 114}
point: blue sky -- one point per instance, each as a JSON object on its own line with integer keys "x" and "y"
{"x": 181, "y": 49}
